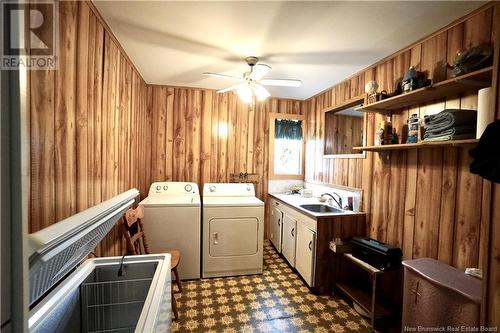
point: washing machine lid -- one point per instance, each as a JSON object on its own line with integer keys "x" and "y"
{"x": 171, "y": 201}
{"x": 232, "y": 202}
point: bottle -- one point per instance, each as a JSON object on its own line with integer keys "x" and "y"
{"x": 379, "y": 134}
{"x": 413, "y": 129}
{"x": 387, "y": 132}
{"x": 394, "y": 137}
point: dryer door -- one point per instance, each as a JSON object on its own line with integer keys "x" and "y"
{"x": 233, "y": 237}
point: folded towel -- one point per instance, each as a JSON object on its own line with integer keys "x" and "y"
{"x": 450, "y": 131}
{"x": 451, "y": 137}
{"x": 449, "y": 118}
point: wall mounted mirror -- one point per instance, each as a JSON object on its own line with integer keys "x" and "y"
{"x": 344, "y": 129}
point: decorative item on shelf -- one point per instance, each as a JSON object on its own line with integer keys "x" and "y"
{"x": 394, "y": 137}
{"x": 414, "y": 129}
{"x": 472, "y": 59}
{"x": 371, "y": 87}
{"x": 414, "y": 79}
{"x": 374, "y": 96}
{"x": 398, "y": 88}
{"x": 387, "y": 132}
{"x": 379, "y": 134}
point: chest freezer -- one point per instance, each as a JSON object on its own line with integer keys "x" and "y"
{"x": 112, "y": 294}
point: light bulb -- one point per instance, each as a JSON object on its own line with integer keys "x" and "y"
{"x": 245, "y": 93}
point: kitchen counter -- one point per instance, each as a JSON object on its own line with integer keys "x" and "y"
{"x": 295, "y": 200}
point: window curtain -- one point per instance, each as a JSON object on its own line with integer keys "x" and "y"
{"x": 288, "y": 129}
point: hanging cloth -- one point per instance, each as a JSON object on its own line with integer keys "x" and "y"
{"x": 288, "y": 129}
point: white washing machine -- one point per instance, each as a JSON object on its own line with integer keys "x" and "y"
{"x": 233, "y": 230}
{"x": 172, "y": 220}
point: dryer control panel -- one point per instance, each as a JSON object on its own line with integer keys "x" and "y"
{"x": 228, "y": 190}
{"x": 173, "y": 188}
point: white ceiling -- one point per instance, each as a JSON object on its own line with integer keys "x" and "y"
{"x": 320, "y": 43}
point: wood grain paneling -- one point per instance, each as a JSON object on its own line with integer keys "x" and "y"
{"x": 419, "y": 200}
{"x": 97, "y": 129}
{"x": 89, "y": 125}
{"x": 214, "y": 135}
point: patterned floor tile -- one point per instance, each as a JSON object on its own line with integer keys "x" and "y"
{"x": 276, "y": 301}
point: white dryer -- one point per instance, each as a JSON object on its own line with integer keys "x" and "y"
{"x": 233, "y": 230}
{"x": 172, "y": 220}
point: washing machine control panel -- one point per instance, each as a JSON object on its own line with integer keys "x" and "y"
{"x": 173, "y": 188}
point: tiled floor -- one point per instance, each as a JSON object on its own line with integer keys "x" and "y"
{"x": 277, "y": 301}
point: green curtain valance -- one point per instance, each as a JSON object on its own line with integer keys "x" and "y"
{"x": 288, "y": 129}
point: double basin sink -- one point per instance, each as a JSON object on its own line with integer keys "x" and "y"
{"x": 319, "y": 208}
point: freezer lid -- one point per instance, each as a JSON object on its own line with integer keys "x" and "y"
{"x": 57, "y": 249}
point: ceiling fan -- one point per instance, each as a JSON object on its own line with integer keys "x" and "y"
{"x": 252, "y": 83}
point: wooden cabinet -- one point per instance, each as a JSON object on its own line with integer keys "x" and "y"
{"x": 275, "y": 231}
{"x": 288, "y": 238}
{"x": 300, "y": 230}
{"x": 305, "y": 253}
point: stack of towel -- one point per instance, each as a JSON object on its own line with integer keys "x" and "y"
{"x": 450, "y": 124}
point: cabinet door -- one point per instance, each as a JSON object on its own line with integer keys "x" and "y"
{"x": 305, "y": 253}
{"x": 275, "y": 232}
{"x": 288, "y": 238}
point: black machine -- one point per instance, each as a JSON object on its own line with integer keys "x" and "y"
{"x": 379, "y": 255}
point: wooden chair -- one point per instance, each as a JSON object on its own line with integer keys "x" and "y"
{"x": 133, "y": 229}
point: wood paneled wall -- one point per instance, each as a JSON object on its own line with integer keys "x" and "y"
{"x": 88, "y": 125}
{"x": 201, "y": 136}
{"x": 424, "y": 201}
{"x": 97, "y": 129}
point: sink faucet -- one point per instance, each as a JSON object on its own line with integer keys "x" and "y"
{"x": 338, "y": 202}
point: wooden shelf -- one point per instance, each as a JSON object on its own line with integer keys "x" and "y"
{"x": 363, "y": 299}
{"x": 454, "y": 86}
{"x": 420, "y": 145}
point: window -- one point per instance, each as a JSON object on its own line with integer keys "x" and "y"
{"x": 286, "y": 147}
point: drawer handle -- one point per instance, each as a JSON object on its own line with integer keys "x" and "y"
{"x": 216, "y": 238}
{"x": 310, "y": 245}
{"x": 293, "y": 230}
{"x": 279, "y": 222}
{"x": 276, "y": 203}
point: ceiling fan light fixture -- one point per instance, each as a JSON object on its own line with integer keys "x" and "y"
{"x": 260, "y": 92}
{"x": 245, "y": 93}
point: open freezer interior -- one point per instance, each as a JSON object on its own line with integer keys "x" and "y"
{"x": 104, "y": 301}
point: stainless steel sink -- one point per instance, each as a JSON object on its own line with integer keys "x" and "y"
{"x": 319, "y": 208}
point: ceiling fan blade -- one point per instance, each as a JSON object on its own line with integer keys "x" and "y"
{"x": 281, "y": 82}
{"x": 259, "y": 71}
{"x": 224, "y": 76}
{"x": 230, "y": 88}
{"x": 260, "y": 92}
